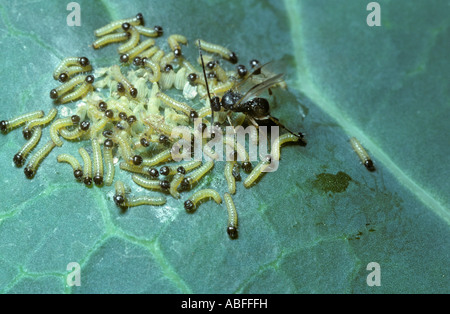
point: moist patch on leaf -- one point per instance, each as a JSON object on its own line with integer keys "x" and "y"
{"x": 328, "y": 182}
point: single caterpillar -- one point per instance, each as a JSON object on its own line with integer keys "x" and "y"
{"x": 36, "y": 159}
{"x": 177, "y": 105}
{"x": 174, "y": 43}
{"x": 98, "y": 126}
{"x": 20, "y": 157}
{"x": 111, "y": 27}
{"x": 257, "y": 172}
{"x": 132, "y": 41}
{"x": 208, "y": 151}
{"x": 69, "y": 62}
{"x": 98, "y": 162}
{"x": 67, "y": 86}
{"x": 122, "y": 140}
{"x": 221, "y": 88}
{"x": 150, "y": 184}
{"x": 136, "y": 50}
{"x": 73, "y": 134}
{"x": 281, "y": 140}
{"x": 164, "y": 156}
{"x": 149, "y": 52}
{"x": 183, "y": 168}
{"x": 80, "y": 92}
{"x": 119, "y": 197}
{"x": 232, "y": 217}
{"x": 167, "y": 59}
{"x": 195, "y": 79}
{"x": 197, "y": 174}
{"x": 157, "y": 57}
{"x": 204, "y": 112}
{"x": 191, "y": 204}
{"x": 8, "y": 125}
{"x": 206, "y": 59}
{"x": 189, "y": 67}
{"x": 59, "y": 124}
{"x": 135, "y": 169}
{"x": 119, "y": 77}
{"x": 144, "y": 200}
{"x": 109, "y": 163}
{"x": 27, "y": 131}
{"x": 71, "y": 71}
{"x": 109, "y": 39}
{"x": 73, "y": 162}
{"x": 87, "y": 168}
{"x": 217, "y": 49}
{"x": 121, "y": 108}
{"x": 156, "y": 31}
{"x": 231, "y": 181}
{"x": 154, "y": 66}
{"x": 175, "y": 183}
{"x": 362, "y": 154}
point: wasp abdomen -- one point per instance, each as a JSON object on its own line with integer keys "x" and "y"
{"x": 259, "y": 108}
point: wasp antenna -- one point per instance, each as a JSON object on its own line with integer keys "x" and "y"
{"x": 206, "y": 83}
{"x": 277, "y": 122}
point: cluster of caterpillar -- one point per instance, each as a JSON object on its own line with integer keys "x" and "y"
{"x": 69, "y": 73}
{"x": 128, "y": 119}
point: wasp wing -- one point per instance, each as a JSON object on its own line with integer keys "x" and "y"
{"x": 259, "y": 88}
{"x": 248, "y": 80}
